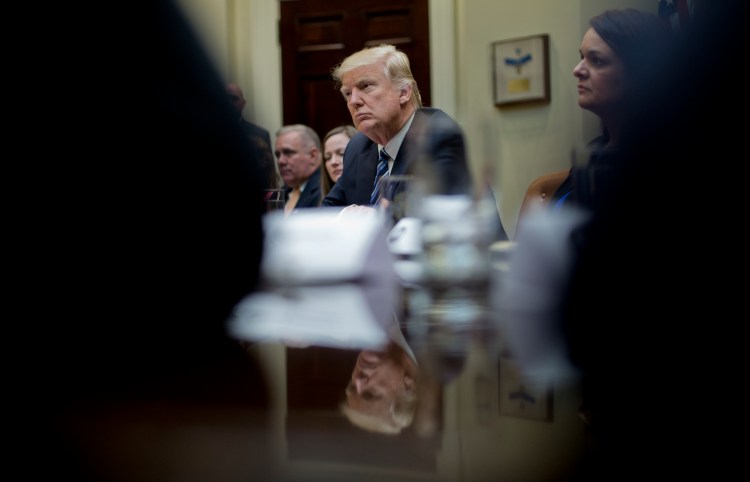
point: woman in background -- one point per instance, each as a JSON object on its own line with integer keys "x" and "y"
{"x": 619, "y": 54}
{"x": 334, "y": 144}
{"x": 382, "y": 393}
{"x": 567, "y": 296}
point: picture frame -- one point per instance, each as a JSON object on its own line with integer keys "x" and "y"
{"x": 516, "y": 398}
{"x": 520, "y": 69}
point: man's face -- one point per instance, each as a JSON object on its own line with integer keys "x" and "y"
{"x": 373, "y": 102}
{"x": 378, "y": 380}
{"x": 236, "y": 98}
{"x": 296, "y": 160}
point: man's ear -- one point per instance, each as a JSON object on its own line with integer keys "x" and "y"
{"x": 409, "y": 384}
{"x": 405, "y": 95}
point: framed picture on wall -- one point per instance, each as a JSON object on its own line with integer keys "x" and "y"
{"x": 521, "y": 70}
{"x": 516, "y": 398}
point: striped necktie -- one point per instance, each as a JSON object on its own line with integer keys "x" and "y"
{"x": 382, "y": 171}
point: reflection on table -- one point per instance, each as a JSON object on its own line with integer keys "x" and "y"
{"x": 416, "y": 386}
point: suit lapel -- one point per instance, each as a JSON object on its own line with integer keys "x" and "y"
{"x": 367, "y": 165}
{"x": 311, "y": 195}
{"x": 407, "y": 153}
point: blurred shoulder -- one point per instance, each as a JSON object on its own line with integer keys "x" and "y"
{"x": 434, "y": 115}
{"x": 434, "y": 120}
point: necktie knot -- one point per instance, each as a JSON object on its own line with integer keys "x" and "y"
{"x": 382, "y": 171}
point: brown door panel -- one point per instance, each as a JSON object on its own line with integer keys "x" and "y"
{"x": 317, "y": 34}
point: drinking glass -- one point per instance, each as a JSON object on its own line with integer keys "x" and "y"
{"x": 275, "y": 200}
{"x": 398, "y": 195}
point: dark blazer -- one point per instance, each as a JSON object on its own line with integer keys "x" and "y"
{"x": 310, "y": 197}
{"x": 260, "y": 142}
{"x": 167, "y": 348}
{"x": 257, "y": 132}
{"x": 432, "y": 133}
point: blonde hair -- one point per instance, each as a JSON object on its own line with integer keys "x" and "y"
{"x": 395, "y": 63}
{"x": 347, "y": 129}
{"x": 326, "y": 183}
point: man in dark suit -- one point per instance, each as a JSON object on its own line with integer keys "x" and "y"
{"x": 300, "y": 157}
{"x": 259, "y": 137}
{"x": 386, "y": 107}
{"x": 237, "y": 97}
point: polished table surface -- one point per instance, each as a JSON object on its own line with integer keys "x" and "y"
{"x": 476, "y": 416}
{"x": 469, "y": 426}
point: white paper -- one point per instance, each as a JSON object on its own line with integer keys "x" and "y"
{"x": 338, "y": 316}
{"x": 320, "y": 246}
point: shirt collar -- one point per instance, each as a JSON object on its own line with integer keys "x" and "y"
{"x": 394, "y": 144}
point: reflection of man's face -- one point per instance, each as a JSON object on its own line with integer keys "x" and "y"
{"x": 378, "y": 380}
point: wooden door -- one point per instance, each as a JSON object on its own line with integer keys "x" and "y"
{"x": 316, "y": 35}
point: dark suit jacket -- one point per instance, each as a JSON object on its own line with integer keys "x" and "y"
{"x": 310, "y": 197}
{"x": 255, "y": 131}
{"x": 260, "y": 143}
{"x": 433, "y": 136}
